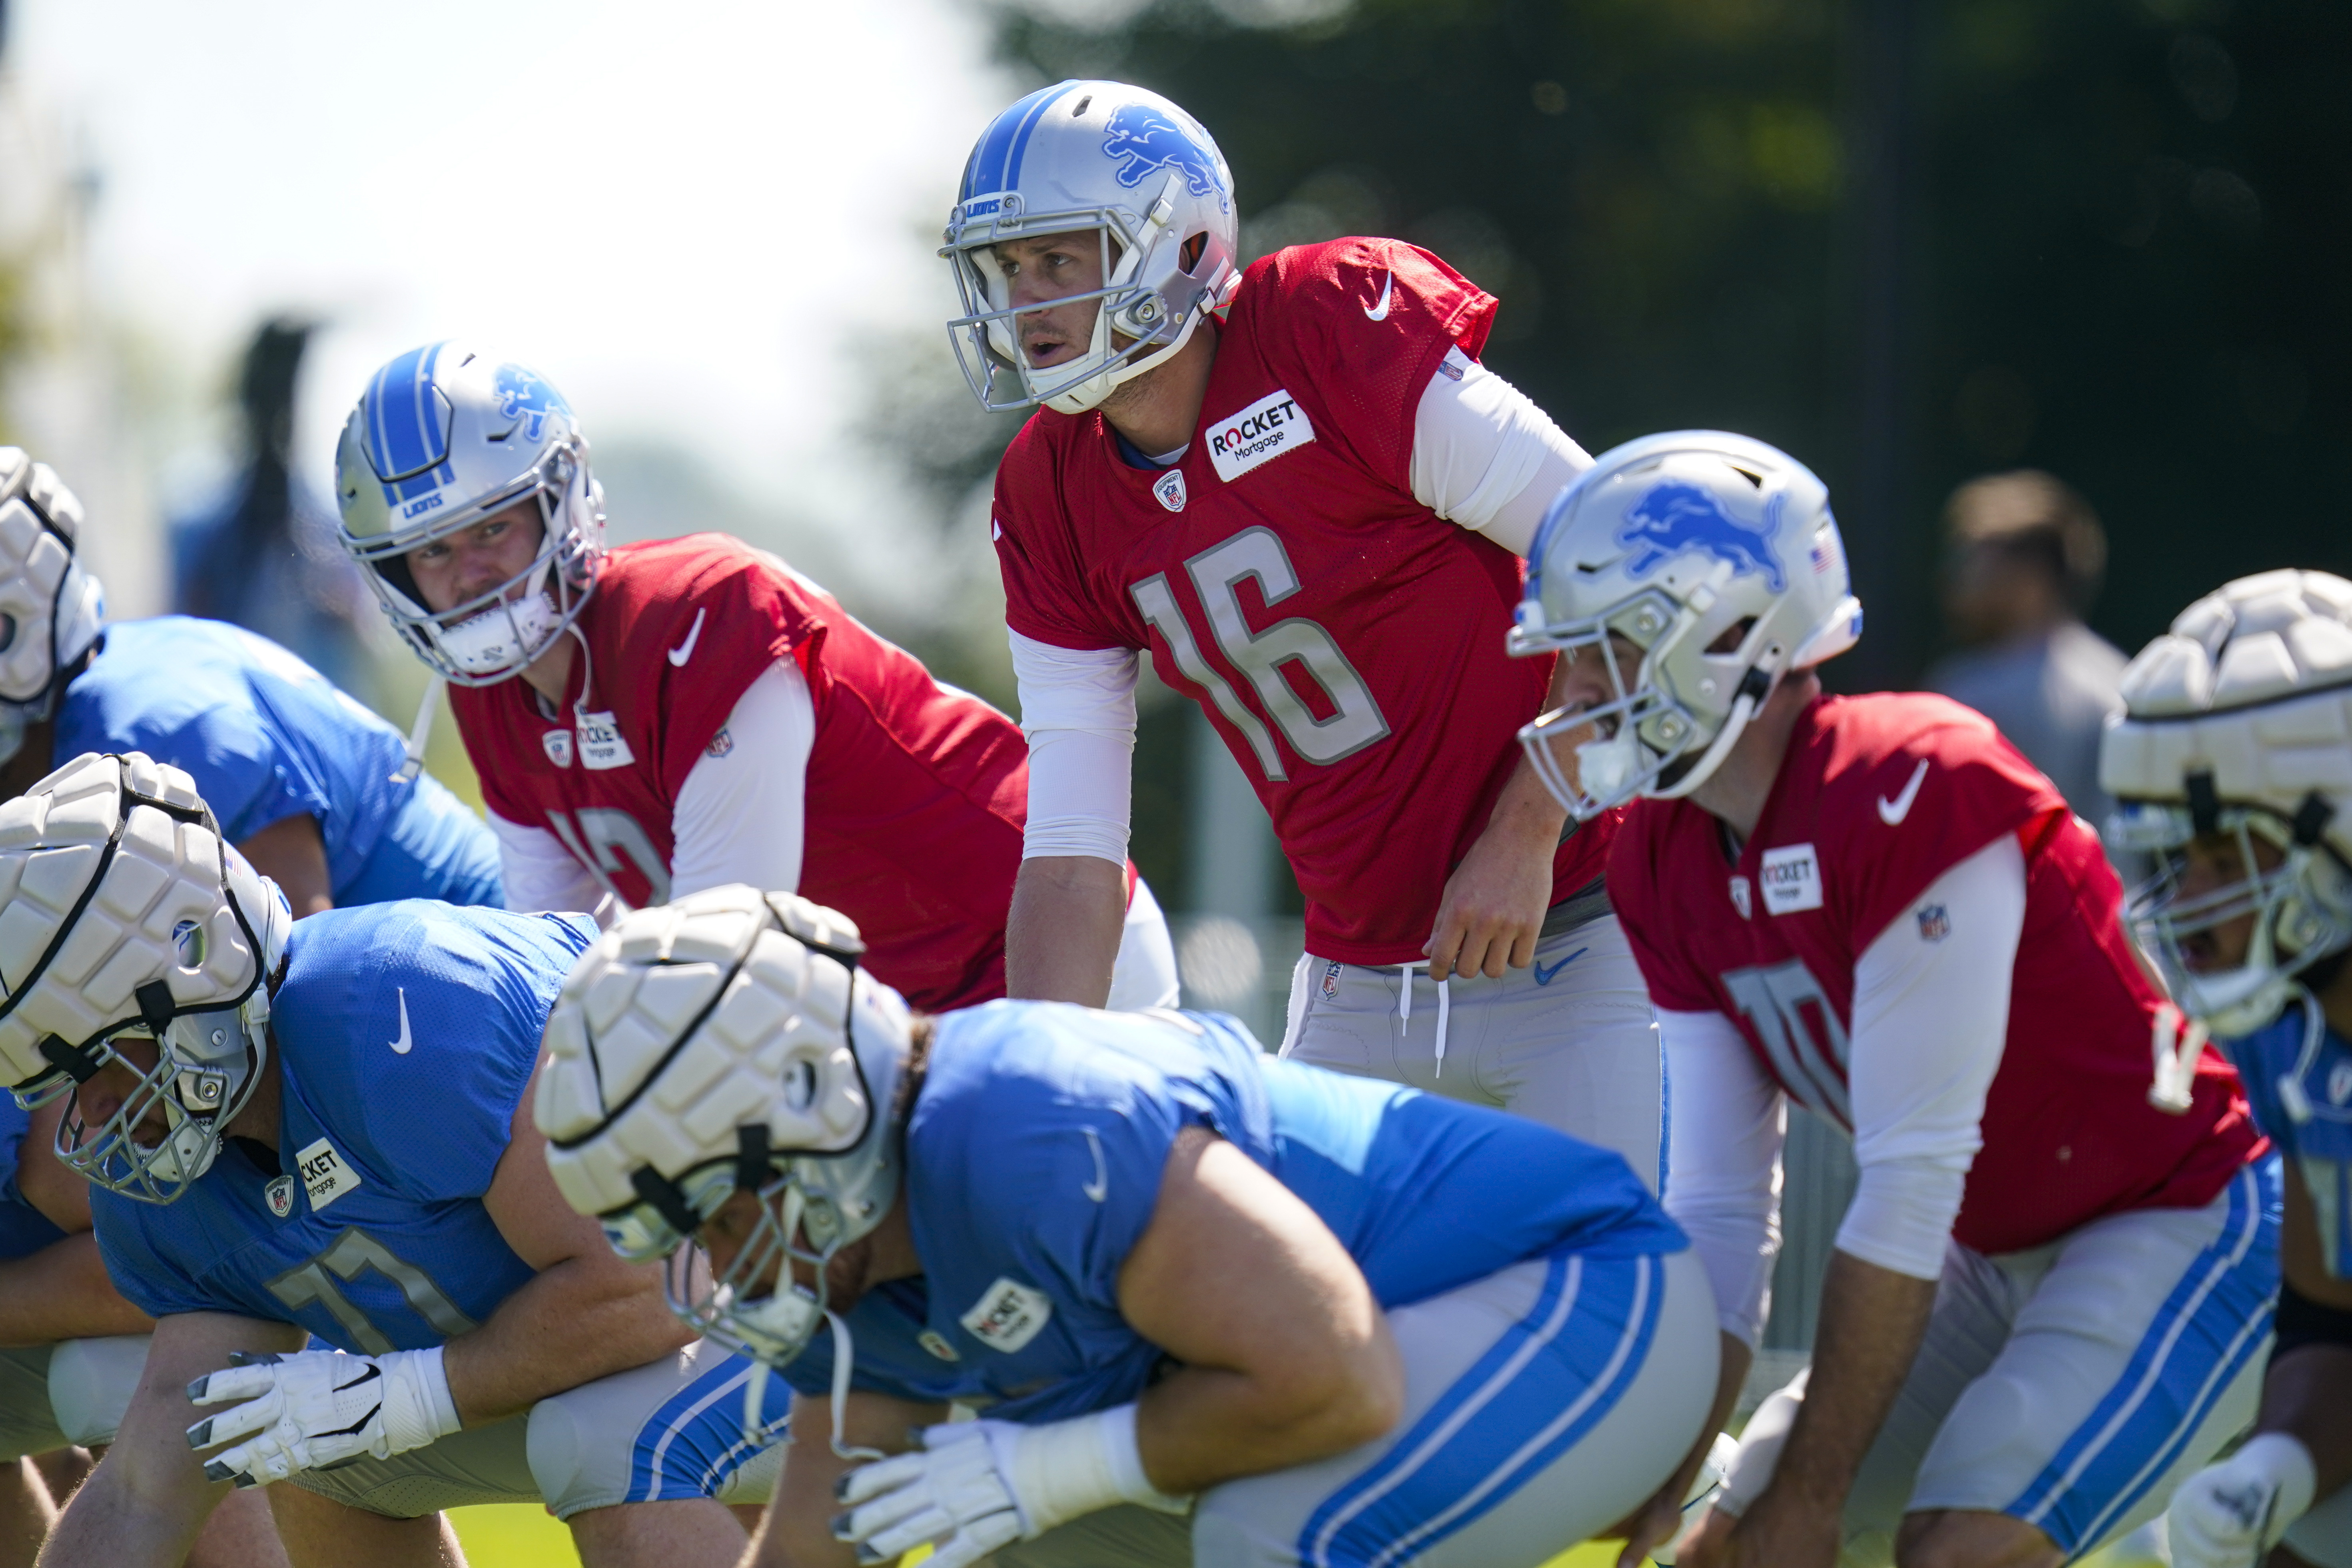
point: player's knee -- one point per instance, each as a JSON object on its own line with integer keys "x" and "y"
{"x": 90, "y": 1385}
{"x": 560, "y": 1449}
{"x": 1968, "y": 1538}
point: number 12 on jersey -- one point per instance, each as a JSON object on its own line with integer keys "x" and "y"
{"x": 1355, "y": 721}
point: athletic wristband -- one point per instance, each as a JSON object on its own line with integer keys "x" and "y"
{"x": 1062, "y": 1470}
{"x": 417, "y": 1404}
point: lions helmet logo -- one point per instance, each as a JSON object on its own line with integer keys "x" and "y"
{"x": 1677, "y": 516}
{"x": 523, "y": 396}
{"x": 1142, "y": 138}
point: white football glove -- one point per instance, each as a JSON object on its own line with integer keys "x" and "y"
{"x": 2227, "y": 1515}
{"x": 980, "y": 1485}
{"x": 317, "y": 1409}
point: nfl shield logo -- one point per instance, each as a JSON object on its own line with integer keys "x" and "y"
{"x": 1739, "y": 897}
{"x": 280, "y": 1193}
{"x": 1170, "y": 487}
{"x": 1331, "y": 983}
{"x": 559, "y": 747}
{"x": 1935, "y": 922}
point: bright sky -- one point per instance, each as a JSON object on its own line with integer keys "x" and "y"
{"x": 691, "y": 217}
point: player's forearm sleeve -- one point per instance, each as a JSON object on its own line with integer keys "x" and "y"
{"x": 742, "y": 814}
{"x": 539, "y": 874}
{"x": 1723, "y": 1168}
{"x": 1930, "y": 1017}
{"x": 1486, "y": 456}
{"x": 1077, "y": 707}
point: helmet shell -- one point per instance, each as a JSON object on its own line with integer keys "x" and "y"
{"x": 51, "y": 611}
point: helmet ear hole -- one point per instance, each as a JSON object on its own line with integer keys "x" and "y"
{"x": 1193, "y": 249}
{"x": 7, "y": 633}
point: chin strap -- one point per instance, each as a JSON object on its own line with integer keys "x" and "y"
{"x": 845, "y": 1351}
{"x": 419, "y": 732}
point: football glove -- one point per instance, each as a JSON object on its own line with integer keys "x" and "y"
{"x": 317, "y": 1409}
{"x": 2227, "y": 1515}
{"x": 980, "y": 1485}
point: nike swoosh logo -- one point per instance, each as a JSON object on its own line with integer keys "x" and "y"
{"x": 684, "y": 650}
{"x": 1099, "y": 1188}
{"x": 401, "y": 1046}
{"x": 1379, "y": 312}
{"x": 1893, "y": 812}
{"x": 1544, "y": 976}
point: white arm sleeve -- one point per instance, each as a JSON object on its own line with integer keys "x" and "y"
{"x": 1077, "y": 707}
{"x": 1486, "y": 456}
{"x": 538, "y": 873}
{"x": 1930, "y": 1017}
{"x": 1723, "y": 1165}
{"x": 740, "y": 816}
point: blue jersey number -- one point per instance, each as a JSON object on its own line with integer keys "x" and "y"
{"x": 353, "y": 1252}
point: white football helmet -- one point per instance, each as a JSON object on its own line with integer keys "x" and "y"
{"x": 1126, "y": 166}
{"x": 125, "y": 916}
{"x": 2238, "y": 723}
{"x": 50, "y": 609}
{"x": 727, "y": 1041}
{"x": 443, "y": 438}
{"x": 1672, "y": 541}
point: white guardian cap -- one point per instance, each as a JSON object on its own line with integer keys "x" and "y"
{"x": 51, "y": 611}
{"x": 443, "y": 438}
{"x": 2238, "y": 724}
{"x": 132, "y": 935}
{"x": 1716, "y": 557}
{"x": 1126, "y": 166}
{"x": 728, "y": 1041}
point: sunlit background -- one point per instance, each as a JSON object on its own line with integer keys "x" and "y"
{"x": 1910, "y": 240}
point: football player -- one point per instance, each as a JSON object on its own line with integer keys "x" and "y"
{"x": 324, "y": 1127}
{"x": 1215, "y": 1309}
{"x": 1299, "y": 490}
{"x": 74, "y": 1349}
{"x": 2050, "y": 1291}
{"x": 2232, "y": 767}
{"x": 308, "y": 784}
{"x": 657, "y": 719}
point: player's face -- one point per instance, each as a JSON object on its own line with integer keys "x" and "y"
{"x": 2207, "y": 864}
{"x": 474, "y": 560}
{"x": 726, "y": 1232}
{"x": 111, "y": 1086}
{"x": 1585, "y": 682}
{"x": 1047, "y": 267}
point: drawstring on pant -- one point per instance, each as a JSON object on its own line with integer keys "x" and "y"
{"x": 1444, "y": 1005}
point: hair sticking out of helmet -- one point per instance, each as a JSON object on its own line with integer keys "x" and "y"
{"x": 1122, "y": 169}
{"x": 1711, "y": 564}
{"x": 443, "y": 439}
{"x": 52, "y": 610}
{"x": 174, "y": 939}
{"x": 2228, "y": 769}
{"x": 795, "y": 1058}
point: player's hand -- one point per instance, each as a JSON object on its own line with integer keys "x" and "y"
{"x": 2227, "y": 1515}
{"x": 952, "y": 1496}
{"x": 1656, "y": 1529}
{"x": 1777, "y": 1531}
{"x": 319, "y": 1408}
{"x": 1493, "y": 908}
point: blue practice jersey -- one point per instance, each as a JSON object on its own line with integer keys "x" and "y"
{"x": 266, "y": 737}
{"x": 24, "y": 1229}
{"x": 406, "y": 1035}
{"x": 2298, "y": 1075}
{"x": 1033, "y": 1161}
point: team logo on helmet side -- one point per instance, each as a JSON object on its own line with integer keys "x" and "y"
{"x": 523, "y": 396}
{"x": 1143, "y": 139}
{"x": 1676, "y": 516}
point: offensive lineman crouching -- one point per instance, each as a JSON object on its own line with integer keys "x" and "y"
{"x": 1215, "y": 1308}
{"x": 324, "y": 1127}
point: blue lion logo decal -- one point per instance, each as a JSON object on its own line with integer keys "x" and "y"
{"x": 522, "y": 396}
{"x": 1143, "y": 139}
{"x": 1676, "y": 516}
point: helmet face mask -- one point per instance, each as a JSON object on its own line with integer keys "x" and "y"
{"x": 1124, "y": 170}
{"x": 1712, "y": 556}
{"x": 166, "y": 1132}
{"x": 442, "y": 440}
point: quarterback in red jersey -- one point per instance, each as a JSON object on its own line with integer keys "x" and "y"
{"x": 1296, "y": 486}
{"x": 689, "y": 712}
{"x": 2052, "y": 1288}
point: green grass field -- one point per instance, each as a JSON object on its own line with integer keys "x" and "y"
{"x": 514, "y": 1536}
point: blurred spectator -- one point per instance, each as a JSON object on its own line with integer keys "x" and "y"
{"x": 2026, "y": 554}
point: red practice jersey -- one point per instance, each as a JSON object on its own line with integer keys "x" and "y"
{"x": 1880, "y": 796}
{"x": 915, "y": 794}
{"x": 1345, "y": 640}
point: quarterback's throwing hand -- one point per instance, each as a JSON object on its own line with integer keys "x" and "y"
{"x": 318, "y": 1408}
